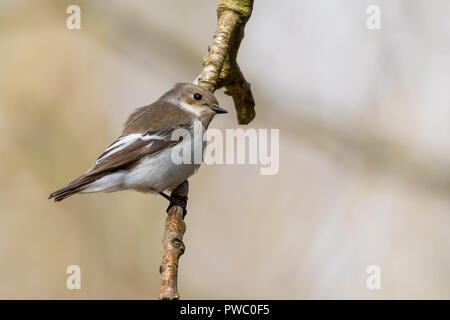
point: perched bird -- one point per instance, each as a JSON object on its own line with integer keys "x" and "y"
{"x": 140, "y": 158}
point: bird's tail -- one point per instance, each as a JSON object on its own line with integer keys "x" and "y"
{"x": 74, "y": 187}
{"x": 65, "y": 192}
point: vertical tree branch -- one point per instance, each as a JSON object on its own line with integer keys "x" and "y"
{"x": 173, "y": 246}
{"x": 220, "y": 69}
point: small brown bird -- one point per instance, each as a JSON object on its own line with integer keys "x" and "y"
{"x": 141, "y": 158}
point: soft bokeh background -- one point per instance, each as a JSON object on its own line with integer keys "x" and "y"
{"x": 364, "y": 119}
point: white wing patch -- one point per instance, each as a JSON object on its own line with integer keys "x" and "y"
{"x": 124, "y": 142}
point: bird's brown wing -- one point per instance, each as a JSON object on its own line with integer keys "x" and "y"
{"x": 155, "y": 117}
{"x": 125, "y": 151}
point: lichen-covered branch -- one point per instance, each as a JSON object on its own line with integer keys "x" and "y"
{"x": 220, "y": 69}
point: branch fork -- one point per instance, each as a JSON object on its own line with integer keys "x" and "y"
{"x": 220, "y": 69}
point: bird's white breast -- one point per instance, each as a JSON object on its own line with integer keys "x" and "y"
{"x": 159, "y": 172}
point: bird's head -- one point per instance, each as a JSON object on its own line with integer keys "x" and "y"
{"x": 198, "y": 101}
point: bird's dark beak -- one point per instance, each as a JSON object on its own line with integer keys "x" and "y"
{"x": 218, "y": 109}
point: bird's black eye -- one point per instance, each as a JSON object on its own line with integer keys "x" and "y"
{"x": 197, "y": 96}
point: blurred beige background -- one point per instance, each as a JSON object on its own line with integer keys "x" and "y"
{"x": 364, "y": 119}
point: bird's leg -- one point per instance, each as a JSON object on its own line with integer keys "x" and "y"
{"x": 180, "y": 201}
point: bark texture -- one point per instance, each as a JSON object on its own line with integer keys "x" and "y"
{"x": 220, "y": 69}
{"x": 173, "y": 246}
